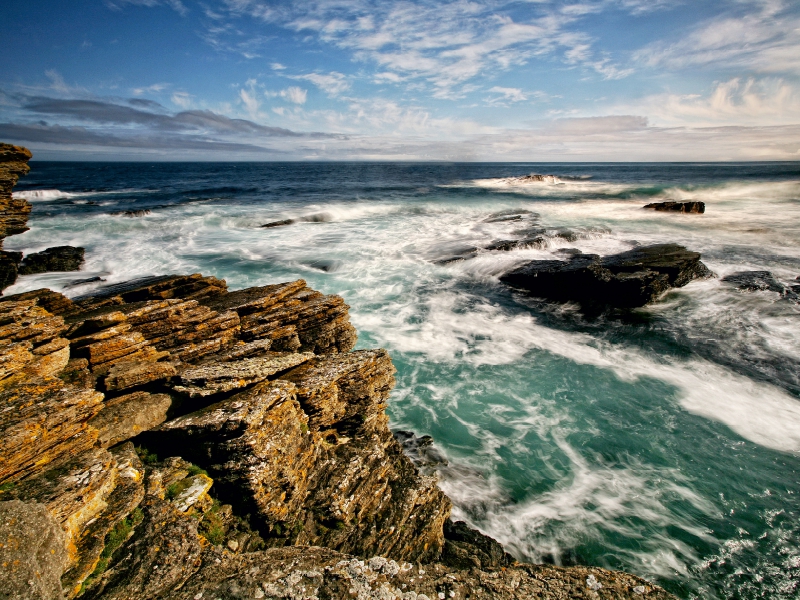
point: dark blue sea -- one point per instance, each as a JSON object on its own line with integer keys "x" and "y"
{"x": 663, "y": 441}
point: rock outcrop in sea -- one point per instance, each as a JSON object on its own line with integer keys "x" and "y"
{"x": 170, "y": 438}
{"x": 625, "y": 280}
{"x": 681, "y": 207}
{"x": 14, "y": 219}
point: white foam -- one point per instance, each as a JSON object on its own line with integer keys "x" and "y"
{"x": 759, "y": 412}
{"x": 43, "y": 195}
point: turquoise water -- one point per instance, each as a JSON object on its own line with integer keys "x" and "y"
{"x": 663, "y": 441}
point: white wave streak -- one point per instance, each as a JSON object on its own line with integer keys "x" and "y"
{"x": 595, "y": 502}
{"x": 761, "y": 413}
{"x": 480, "y": 333}
{"x": 43, "y": 195}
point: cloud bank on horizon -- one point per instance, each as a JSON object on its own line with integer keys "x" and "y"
{"x": 524, "y": 80}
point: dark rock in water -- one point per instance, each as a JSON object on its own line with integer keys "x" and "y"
{"x": 58, "y": 258}
{"x": 279, "y": 223}
{"x": 467, "y": 548}
{"x": 753, "y": 281}
{"x": 9, "y": 268}
{"x": 457, "y": 258}
{"x": 626, "y": 280}
{"x": 511, "y": 215}
{"x": 33, "y": 552}
{"x": 503, "y": 218}
{"x": 569, "y": 252}
{"x": 324, "y": 265}
{"x": 318, "y": 218}
{"x": 567, "y": 235}
{"x": 504, "y": 245}
{"x": 530, "y": 232}
{"x": 132, "y": 213}
{"x": 682, "y": 207}
{"x": 421, "y": 451}
{"x": 78, "y": 282}
{"x": 507, "y": 245}
{"x": 459, "y": 254}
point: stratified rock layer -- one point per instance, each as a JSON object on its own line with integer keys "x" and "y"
{"x": 625, "y": 280}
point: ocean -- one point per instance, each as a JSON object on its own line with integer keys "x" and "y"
{"x": 663, "y": 441}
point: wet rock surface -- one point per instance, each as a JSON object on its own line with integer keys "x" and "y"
{"x": 762, "y": 281}
{"x": 625, "y": 280}
{"x": 58, "y": 258}
{"x": 681, "y": 207}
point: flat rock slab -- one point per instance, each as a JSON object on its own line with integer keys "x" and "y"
{"x": 625, "y": 280}
{"x": 297, "y": 571}
{"x": 33, "y": 552}
{"x": 127, "y": 416}
{"x": 217, "y": 378}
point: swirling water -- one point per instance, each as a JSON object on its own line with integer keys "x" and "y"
{"x": 663, "y": 441}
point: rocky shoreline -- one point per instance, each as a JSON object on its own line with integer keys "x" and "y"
{"x": 170, "y": 438}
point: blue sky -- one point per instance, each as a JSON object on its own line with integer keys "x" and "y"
{"x": 402, "y": 80}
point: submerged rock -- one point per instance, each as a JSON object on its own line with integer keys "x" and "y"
{"x": 141, "y": 212}
{"x": 507, "y": 245}
{"x": 279, "y": 223}
{"x": 752, "y": 281}
{"x": 58, "y": 258}
{"x": 681, "y": 207}
{"x": 625, "y": 280}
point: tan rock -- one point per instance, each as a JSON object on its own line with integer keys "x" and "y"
{"x": 52, "y": 302}
{"x": 33, "y": 552}
{"x": 127, "y": 416}
{"x": 217, "y": 378}
{"x": 127, "y": 374}
{"x": 42, "y": 420}
{"x": 256, "y": 442}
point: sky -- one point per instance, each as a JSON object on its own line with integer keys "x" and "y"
{"x": 480, "y": 80}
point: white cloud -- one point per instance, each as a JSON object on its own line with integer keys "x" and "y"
{"x": 444, "y": 43}
{"x": 150, "y": 89}
{"x": 56, "y": 81}
{"x": 294, "y": 94}
{"x": 736, "y": 102}
{"x": 509, "y": 94}
{"x": 766, "y": 41}
{"x": 249, "y": 97}
{"x": 333, "y": 83}
{"x": 175, "y": 5}
{"x": 276, "y": 66}
{"x": 182, "y": 99}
